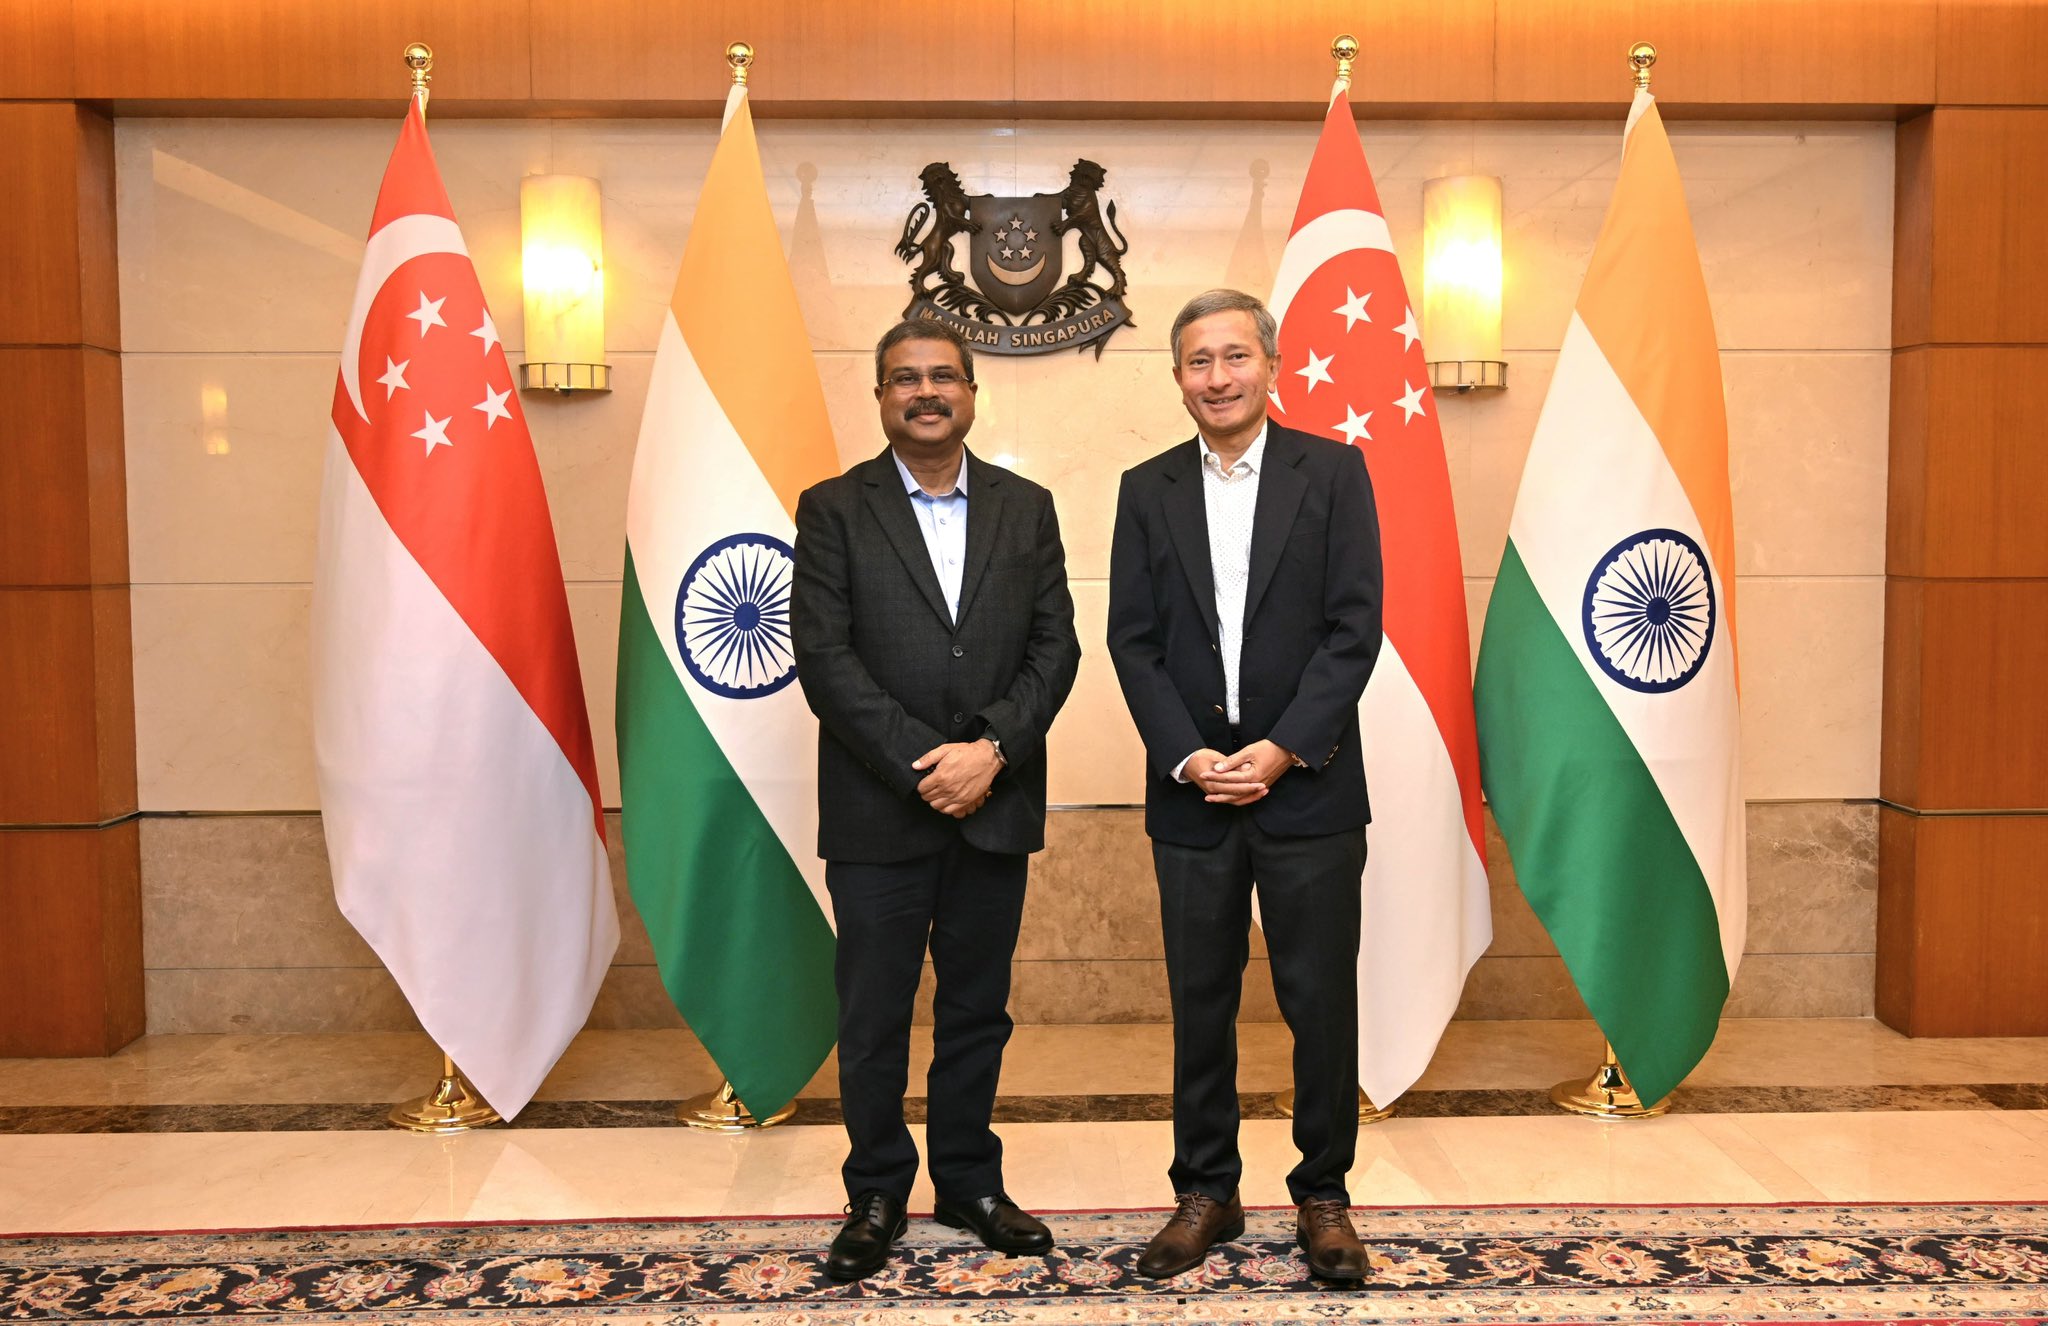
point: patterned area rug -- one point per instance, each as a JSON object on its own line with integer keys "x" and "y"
{"x": 1797, "y": 1263}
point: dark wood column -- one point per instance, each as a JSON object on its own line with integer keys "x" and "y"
{"x": 1963, "y": 841}
{"x": 70, "y": 909}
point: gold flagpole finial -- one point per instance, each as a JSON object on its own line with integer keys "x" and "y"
{"x": 1640, "y": 57}
{"x": 419, "y": 57}
{"x": 740, "y": 56}
{"x": 1344, "y": 50}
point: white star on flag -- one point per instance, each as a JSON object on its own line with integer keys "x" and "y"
{"x": 1353, "y": 427}
{"x": 488, "y": 333}
{"x": 1353, "y": 308}
{"x": 394, "y": 376}
{"x": 435, "y": 434}
{"x": 1318, "y": 369}
{"x": 1410, "y": 333}
{"x": 1411, "y": 403}
{"x": 493, "y": 406}
{"x": 428, "y": 314}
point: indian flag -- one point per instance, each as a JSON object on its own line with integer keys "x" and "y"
{"x": 717, "y": 751}
{"x": 1607, "y": 688}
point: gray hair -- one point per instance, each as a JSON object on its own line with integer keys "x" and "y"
{"x": 1211, "y": 302}
{"x": 923, "y": 329}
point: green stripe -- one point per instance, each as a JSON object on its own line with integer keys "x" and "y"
{"x": 743, "y": 949}
{"x": 1595, "y": 847}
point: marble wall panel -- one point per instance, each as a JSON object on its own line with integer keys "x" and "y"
{"x": 1812, "y": 878}
{"x": 224, "y": 454}
{"x": 242, "y": 934}
{"x": 243, "y": 891}
{"x": 1807, "y": 457}
{"x": 256, "y": 1000}
{"x": 245, "y": 236}
{"x": 1794, "y": 233}
{"x": 1793, "y": 223}
{"x": 1812, "y": 653}
{"x": 223, "y": 717}
{"x": 1095, "y": 757}
{"x": 1804, "y": 985}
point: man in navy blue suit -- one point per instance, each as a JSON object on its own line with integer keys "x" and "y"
{"x": 1244, "y": 619}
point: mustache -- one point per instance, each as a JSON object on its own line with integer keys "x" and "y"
{"x": 927, "y": 405}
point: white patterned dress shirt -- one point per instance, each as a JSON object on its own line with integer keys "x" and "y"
{"x": 942, "y": 520}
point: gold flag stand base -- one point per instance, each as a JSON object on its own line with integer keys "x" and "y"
{"x": 451, "y": 1107}
{"x": 720, "y": 1111}
{"x": 1605, "y": 1095}
{"x": 1367, "y": 1112}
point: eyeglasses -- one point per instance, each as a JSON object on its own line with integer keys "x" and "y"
{"x": 907, "y": 380}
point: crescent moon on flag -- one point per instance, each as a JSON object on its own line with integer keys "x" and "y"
{"x": 389, "y": 249}
{"x": 1025, "y": 277}
{"x": 1328, "y": 236}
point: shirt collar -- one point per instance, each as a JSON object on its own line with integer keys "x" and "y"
{"x": 1254, "y": 455}
{"x": 912, "y": 487}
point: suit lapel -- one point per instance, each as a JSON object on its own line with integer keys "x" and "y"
{"x": 891, "y": 506}
{"x": 1187, "y": 521}
{"x": 984, "y": 518}
{"x": 1281, "y": 488}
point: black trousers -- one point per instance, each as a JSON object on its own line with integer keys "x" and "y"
{"x": 967, "y": 903}
{"x": 1308, "y": 892}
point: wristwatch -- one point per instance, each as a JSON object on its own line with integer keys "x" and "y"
{"x": 992, "y": 739}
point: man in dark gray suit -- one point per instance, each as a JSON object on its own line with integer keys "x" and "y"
{"x": 935, "y": 641}
{"x": 1244, "y": 620}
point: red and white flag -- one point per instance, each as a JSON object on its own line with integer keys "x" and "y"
{"x": 457, "y": 781}
{"x": 1353, "y": 370}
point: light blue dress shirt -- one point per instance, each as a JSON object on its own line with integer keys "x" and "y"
{"x": 943, "y": 522}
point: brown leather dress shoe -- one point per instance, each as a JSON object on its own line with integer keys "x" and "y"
{"x": 1197, "y": 1224}
{"x": 1322, "y": 1229}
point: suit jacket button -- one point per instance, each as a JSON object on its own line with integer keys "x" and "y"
{"x": 959, "y": 718}
{"x": 1217, "y": 707}
{"x": 958, "y": 652}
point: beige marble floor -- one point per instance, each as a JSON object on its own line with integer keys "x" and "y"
{"x": 1041, "y": 1061}
{"x": 213, "y": 1180}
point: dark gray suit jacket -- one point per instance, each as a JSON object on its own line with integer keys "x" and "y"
{"x": 890, "y": 675}
{"x": 1311, "y": 633}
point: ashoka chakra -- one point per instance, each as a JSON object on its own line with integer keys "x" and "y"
{"x": 732, "y": 617}
{"x": 1649, "y": 610}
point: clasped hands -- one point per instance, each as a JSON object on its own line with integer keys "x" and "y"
{"x": 1241, "y": 778}
{"x": 961, "y": 772}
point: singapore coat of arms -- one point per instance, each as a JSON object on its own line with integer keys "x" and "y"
{"x": 1011, "y": 300}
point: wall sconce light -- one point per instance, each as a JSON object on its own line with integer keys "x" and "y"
{"x": 561, "y": 238}
{"x": 1461, "y": 283}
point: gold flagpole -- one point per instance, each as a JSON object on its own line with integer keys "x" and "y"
{"x": 451, "y": 1107}
{"x": 1605, "y": 1095}
{"x": 1344, "y": 50}
{"x": 722, "y": 1111}
{"x": 419, "y": 57}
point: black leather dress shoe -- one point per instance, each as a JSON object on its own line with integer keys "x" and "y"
{"x": 998, "y": 1222}
{"x": 874, "y": 1221}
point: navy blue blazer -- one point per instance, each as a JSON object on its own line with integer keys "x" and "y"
{"x": 1311, "y": 633}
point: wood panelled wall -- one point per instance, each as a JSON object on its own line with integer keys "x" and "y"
{"x": 1963, "y": 839}
{"x": 1189, "y": 58}
{"x": 70, "y": 908}
{"x": 1964, "y": 905}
